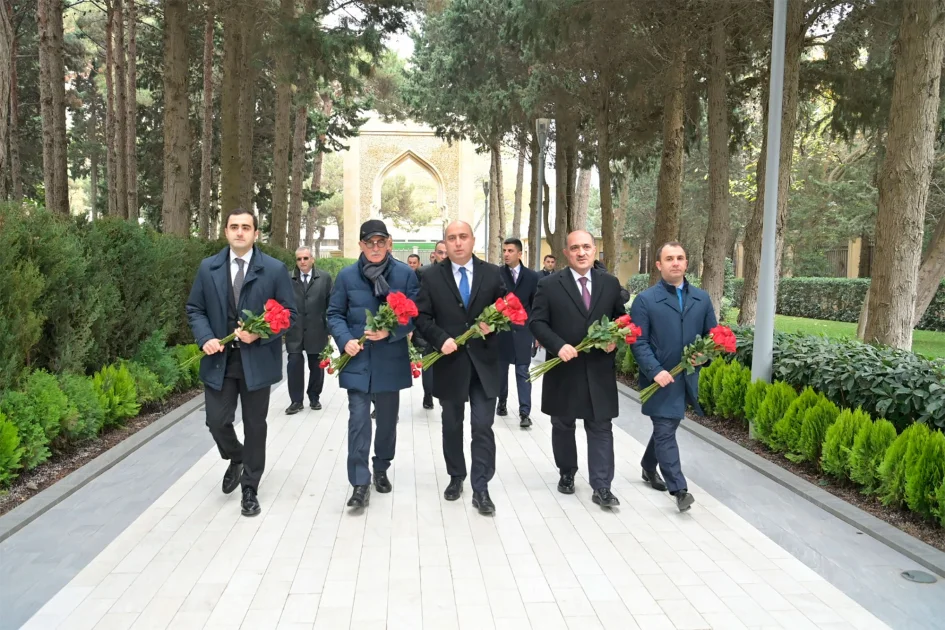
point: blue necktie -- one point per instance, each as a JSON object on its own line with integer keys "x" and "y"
{"x": 464, "y": 286}
{"x": 679, "y": 295}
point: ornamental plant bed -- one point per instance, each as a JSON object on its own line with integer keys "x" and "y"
{"x": 31, "y": 483}
{"x": 909, "y": 522}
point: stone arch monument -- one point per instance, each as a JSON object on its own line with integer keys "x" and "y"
{"x": 381, "y": 147}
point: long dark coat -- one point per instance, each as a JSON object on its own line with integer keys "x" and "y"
{"x": 515, "y": 346}
{"x": 584, "y": 387}
{"x": 666, "y": 331}
{"x": 442, "y": 316}
{"x": 310, "y": 333}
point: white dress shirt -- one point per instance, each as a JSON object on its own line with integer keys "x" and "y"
{"x": 577, "y": 280}
{"x": 234, "y": 268}
{"x": 469, "y": 272}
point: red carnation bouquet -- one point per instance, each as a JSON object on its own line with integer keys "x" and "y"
{"x": 600, "y": 335}
{"x": 325, "y": 357}
{"x": 416, "y": 360}
{"x": 273, "y": 320}
{"x": 499, "y": 316}
{"x": 704, "y": 349}
{"x": 397, "y": 311}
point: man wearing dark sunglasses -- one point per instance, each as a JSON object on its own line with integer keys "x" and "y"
{"x": 309, "y": 333}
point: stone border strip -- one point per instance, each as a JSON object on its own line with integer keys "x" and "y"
{"x": 37, "y": 505}
{"x": 924, "y": 554}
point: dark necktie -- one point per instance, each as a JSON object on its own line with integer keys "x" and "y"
{"x": 238, "y": 281}
{"x": 585, "y": 294}
{"x": 464, "y": 286}
{"x": 305, "y": 279}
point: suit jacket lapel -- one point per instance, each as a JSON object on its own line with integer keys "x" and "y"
{"x": 478, "y": 269}
{"x": 597, "y": 287}
{"x": 570, "y": 287}
{"x": 690, "y": 302}
{"x": 446, "y": 268}
{"x": 220, "y": 273}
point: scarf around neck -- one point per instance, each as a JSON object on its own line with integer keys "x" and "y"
{"x": 374, "y": 272}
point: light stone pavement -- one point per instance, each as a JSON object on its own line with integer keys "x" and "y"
{"x": 413, "y": 560}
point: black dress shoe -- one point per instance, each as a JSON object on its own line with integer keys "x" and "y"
{"x": 653, "y": 478}
{"x": 360, "y": 497}
{"x": 428, "y": 402}
{"x": 231, "y": 478}
{"x": 294, "y": 408}
{"x": 453, "y": 490}
{"x": 605, "y": 498}
{"x": 524, "y": 421}
{"x": 482, "y": 502}
{"x": 566, "y": 484}
{"x": 250, "y": 504}
{"x": 684, "y": 500}
{"x": 501, "y": 410}
{"x": 316, "y": 406}
{"x": 374, "y": 414}
{"x": 382, "y": 483}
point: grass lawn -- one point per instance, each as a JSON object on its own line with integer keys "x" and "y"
{"x": 924, "y": 342}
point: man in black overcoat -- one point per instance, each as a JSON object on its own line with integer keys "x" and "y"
{"x": 515, "y": 345}
{"x": 309, "y": 334}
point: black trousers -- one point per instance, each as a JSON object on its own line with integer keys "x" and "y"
{"x": 221, "y": 411}
{"x": 600, "y": 448}
{"x": 295, "y": 375}
{"x": 426, "y": 379}
{"x": 482, "y": 449}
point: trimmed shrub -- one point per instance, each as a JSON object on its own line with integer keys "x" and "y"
{"x": 925, "y": 476}
{"x": 189, "y": 376}
{"x": 116, "y": 389}
{"x": 147, "y": 384}
{"x": 90, "y": 416}
{"x": 754, "y": 396}
{"x": 154, "y": 355}
{"x": 735, "y": 381}
{"x": 717, "y": 377}
{"x": 839, "y": 442}
{"x": 777, "y": 400}
{"x": 706, "y": 376}
{"x": 628, "y": 364}
{"x": 869, "y": 449}
{"x": 38, "y": 413}
{"x": 33, "y": 441}
{"x": 10, "y": 451}
{"x": 817, "y": 420}
{"x": 331, "y": 265}
{"x": 899, "y": 457}
{"x": 787, "y": 431}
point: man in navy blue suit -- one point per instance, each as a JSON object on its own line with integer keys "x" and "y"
{"x": 671, "y": 314}
{"x": 515, "y": 346}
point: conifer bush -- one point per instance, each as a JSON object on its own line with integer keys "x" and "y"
{"x": 717, "y": 377}
{"x": 154, "y": 355}
{"x": 10, "y": 451}
{"x": 148, "y": 385}
{"x": 817, "y": 420}
{"x": 778, "y": 398}
{"x": 787, "y": 431}
{"x": 925, "y": 475}
{"x": 190, "y": 375}
{"x": 735, "y": 381}
{"x": 706, "y": 375}
{"x": 839, "y": 441}
{"x": 116, "y": 390}
{"x": 899, "y": 457}
{"x": 89, "y": 416}
{"x": 869, "y": 449}
{"x": 754, "y": 397}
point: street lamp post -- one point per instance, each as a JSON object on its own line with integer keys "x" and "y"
{"x": 541, "y": 130}
{"x": 485, "y": 192}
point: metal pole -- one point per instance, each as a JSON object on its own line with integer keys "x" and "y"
{"x": 762, "y": 358}
{"x": 485, "y": 190}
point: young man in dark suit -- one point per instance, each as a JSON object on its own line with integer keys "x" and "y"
{"x": 239, "y": 278}
{"x": 515, "y": 346}
{"x": 584, "y": 386}
{"x": 453, "y": 294}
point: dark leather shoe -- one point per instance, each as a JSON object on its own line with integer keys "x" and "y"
{"x": 374, "y": 414}
{"x": 482, "y": 502}
{"x": 231, "y": 478}
{"x": 684, "y": 500}
{"x": 605, "y": 498}
{"x": 317, "y": 406}
{"x": 428, "y": 402}
{"x": 360, "y": 497}
{"x": 294, "y": 408}
{"x": 566, "y": 484}
{"x": 453, "y": 490}
{"x": 653, "y": 478}
{"x": 382, "y": 483}
{"x": 250, "y": 504}
{"x": 501, "y": 410}
{"x": 524, "y": 421}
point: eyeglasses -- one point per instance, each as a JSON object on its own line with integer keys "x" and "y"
{"x": 302, "y": 258}
{"x": 374, "y": 244}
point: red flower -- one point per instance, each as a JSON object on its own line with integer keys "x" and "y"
{"x": 416, "y": 373}
{"x": 630, "y": 339}
{"x": 331, "y": 370}
{"x": 274, "y": 306}
{"x": 277, "y": 317}
{"x": 724, "y": 338}
{"x": 501, "y": 305}
{"x": 514, "y": 303}
{"x": 623, "y": 321}
{"x": 635, "y": 330}
{"x": 403, "y": 307}
{"x": 324, "y": 363}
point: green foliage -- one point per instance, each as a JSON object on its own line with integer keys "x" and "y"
{"x": 39, "y": 412}
{"x": 817, "y": 420}
{"x": 706, "y": 376}
{"x": 10, "y": 451}
{"x": 334, "y": 265}
{"x": 869, "y": 450}
{"x": 190, "y": 375}
{"x": 116, "y": 389}
{"x": 925, "y": 475}
{"x": 778, "y": 398}
{"x": 716, "y": 382}
{"x": 754, "y": 396}
{"x": 148, "y": 385}
{"x": 17, "y": 408}
{"x": 90, "y": 415}
{"x": 735, "y": 383}
{"x": 839, "y": 441}
{"x": 154, "y": 355}
{"x": 900, "y": 455}
{"x": 628, "y": 364}
{"x": 787, "y": 431}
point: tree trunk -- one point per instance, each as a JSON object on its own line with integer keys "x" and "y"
{"x": 16, "y": 179}
{"x": 313, "y": 220}
{"x": 517, "y": 208}
{"x": 6, "y": 52}
{"x": 250, "y": 39}
{"x": 534, "y": 225}
{"x": 905, "y": 175}
{"x": 52, "y": 105}
{"x": 716, "y": 236}
{"x": 230, "y": 162}
{"x": 294, "y": 235}
{"x": 111, "y": 164}
{"x": 283, "y": 138}
{"x": 500, "y": 193}
{"x": 611, "y": 231}
{"x": 131, "y": 99}
{"x": 494, "y": 237}
{"x": 93, "y": 153}
{"x": 582, "y": 197}
{"x": 669, "y": 186}
{"x": 566, "y": 136}
{"x": 177, "y": 138}
{"x": 793, "y": 45}
{"x": 206, "y": 143}
{"x": 931, "y": 272}
{"x": 863, "y": 270}
{"x": 121, "y": 113}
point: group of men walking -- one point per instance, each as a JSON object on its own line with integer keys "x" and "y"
{"x": 450, "y": 294}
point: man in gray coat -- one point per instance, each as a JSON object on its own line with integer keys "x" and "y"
{"x": 309, "y": 335}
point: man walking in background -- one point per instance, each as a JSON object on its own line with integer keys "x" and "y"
{"x": 548, "y": 266}
{"x": 516, "y": 345}
{"x": 309, "y": 334}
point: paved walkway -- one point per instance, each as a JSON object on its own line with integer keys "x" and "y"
{"x": 413, "y": 560}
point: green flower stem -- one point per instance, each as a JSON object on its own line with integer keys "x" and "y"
{"x": 647, "y": 393}
{"x": 342, "y": 361}
{"x": 433, "y": 357}
{"x": 539, "y": 371}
